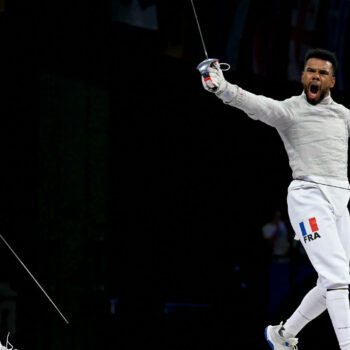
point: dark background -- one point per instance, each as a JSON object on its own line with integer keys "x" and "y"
{"x": 135, "y": 197}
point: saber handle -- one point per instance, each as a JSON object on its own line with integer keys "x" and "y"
{"x": 30, "y": 274}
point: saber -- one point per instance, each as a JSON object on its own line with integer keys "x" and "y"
{"x": 30, "y": 274}
{"x": 204, "y": 66}
{"x": 199, "y": 29}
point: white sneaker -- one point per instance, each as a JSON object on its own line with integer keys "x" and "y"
{"x": 277, "y": 342}
{"x": 8, "y": 346}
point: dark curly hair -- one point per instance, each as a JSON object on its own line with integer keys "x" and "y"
{"x": 323, "y": 55}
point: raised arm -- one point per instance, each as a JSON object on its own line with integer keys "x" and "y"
{"x": 272, "y": 112}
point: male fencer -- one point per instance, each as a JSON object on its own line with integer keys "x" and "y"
{"x": 315, "y": 132}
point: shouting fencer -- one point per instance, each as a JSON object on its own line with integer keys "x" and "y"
{"x": 315, "y": 131}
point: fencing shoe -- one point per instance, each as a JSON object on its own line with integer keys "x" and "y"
{"x": 277, "y": 342}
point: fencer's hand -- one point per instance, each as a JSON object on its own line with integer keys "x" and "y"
{"x": 215, "y": 82}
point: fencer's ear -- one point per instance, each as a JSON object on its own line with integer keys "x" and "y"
{"x": 333, "y": 81}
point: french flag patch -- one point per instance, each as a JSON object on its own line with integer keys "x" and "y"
{"x": 309, "y": 229}
{"x": 313, "y": 225}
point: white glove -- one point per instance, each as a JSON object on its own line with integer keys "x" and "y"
{"x": 215, "y": 82}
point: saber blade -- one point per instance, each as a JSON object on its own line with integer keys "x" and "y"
{"x": 30, "y": 274}
{"x": 199, "y": 29}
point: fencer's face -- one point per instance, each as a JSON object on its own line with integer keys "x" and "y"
{"x": 317, "y": 79}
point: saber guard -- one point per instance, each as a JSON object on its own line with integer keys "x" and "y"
{"x": 203, "y": 69}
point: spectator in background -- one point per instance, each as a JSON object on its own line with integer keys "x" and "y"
{"x": 276, "y": 235}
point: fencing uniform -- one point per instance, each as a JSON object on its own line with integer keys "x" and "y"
{"x": 316, "y": 140}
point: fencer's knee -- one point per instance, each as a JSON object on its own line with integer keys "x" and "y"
{"x": 321, "y": 290}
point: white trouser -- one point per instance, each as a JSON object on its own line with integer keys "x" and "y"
{"x": 325, "y": 236}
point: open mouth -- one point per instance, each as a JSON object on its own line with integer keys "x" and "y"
{"x": 313, "y": 91}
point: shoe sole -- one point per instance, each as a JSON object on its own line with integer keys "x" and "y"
{"x": 267, "y": 338}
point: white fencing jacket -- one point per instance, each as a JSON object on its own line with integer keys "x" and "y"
{"x": 315, "y": 138}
